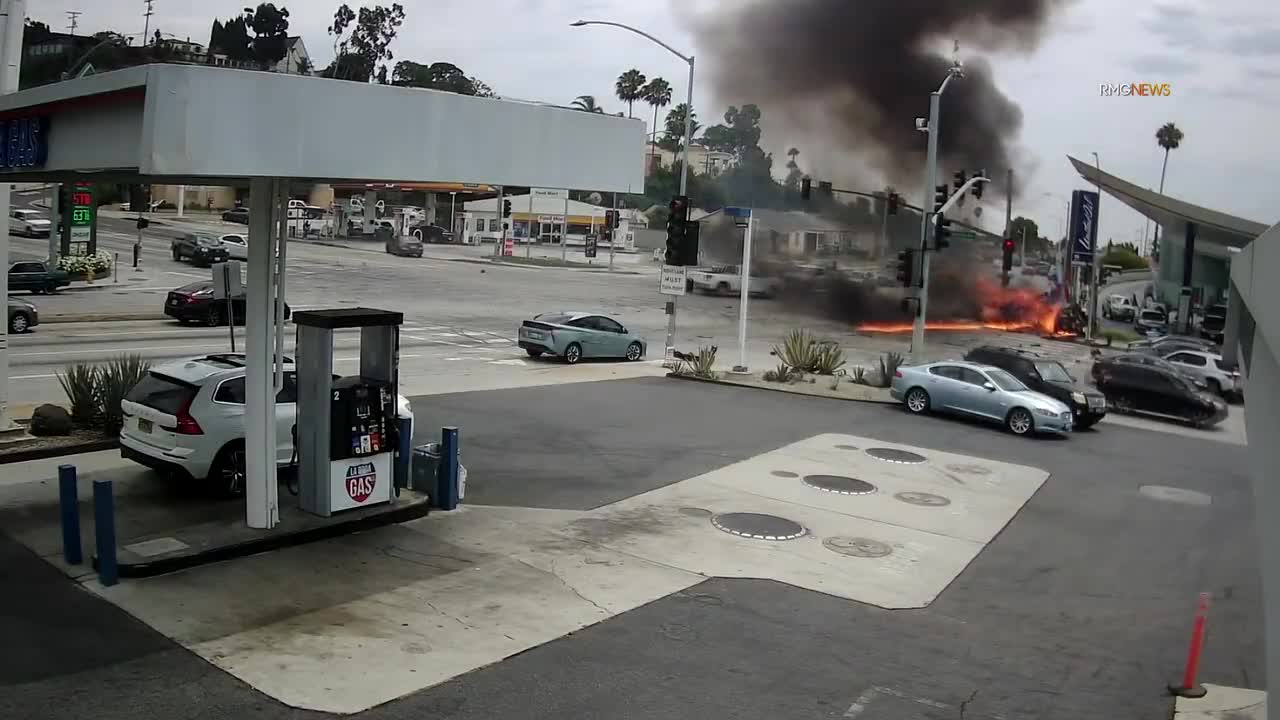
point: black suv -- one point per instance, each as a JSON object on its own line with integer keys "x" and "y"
{"x": 201, "y": 249}
{"x": 1133, "y": 387}
{"x": 1048, "y": 377}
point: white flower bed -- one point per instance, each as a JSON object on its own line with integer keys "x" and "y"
{"x": 81, "y": 265}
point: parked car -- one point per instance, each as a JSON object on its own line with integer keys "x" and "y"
{"x": 1148, "y": 359}
{"x": 727, "y": 280}
{"x": 1048, "y": 377}
{"x": 195, "y": 303}
{"x": 1152, "y": 321}
{"x": 237, "y": 215}
{"x": 37, "y": 277}
{"x": 1119, "y": 307}
{"x": 1213, "y": 325}
{"x": 236, "y": 245}
{"x": 404, "y": 246}
{"x": 980, "y": 391}
{"x": 1156, "y": 390}
{"x": 426, "y": 233}
{"x": 1208, "y": 367}
{"x": 577, "y": 335}
{"x": 29, "y": 223}
{"x": 1165, "y": 344}
{"x": 186, "y": 418}
{"x": 22, "y": 316}
{"x": 202, "y": 249}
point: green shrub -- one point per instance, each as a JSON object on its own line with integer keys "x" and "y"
{"x": 703, "y": 362}
{"x": 115, "y": 380}
{"x": 780, "y": 374}
{"x": 798, "y": 350}
{"x": 859, "y": 375}
{"x": 889, "y": 364}
{"x": 828, "y": 358}
{"x": 80, "y": 383}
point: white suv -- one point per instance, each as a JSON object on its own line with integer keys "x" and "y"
{"x": 186, "y": 417}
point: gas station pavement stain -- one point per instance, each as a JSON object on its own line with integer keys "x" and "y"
{"x": 350, "y": 623}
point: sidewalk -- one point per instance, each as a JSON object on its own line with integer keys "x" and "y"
{"x": 540, "y": 258}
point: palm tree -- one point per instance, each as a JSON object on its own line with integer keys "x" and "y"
{"x": 673, "y": 137}
{"x": 586, "y": 103}
{"x": 1168, "y": 137}
{"x": 791, "y": 161}
{"x": 630, "y": 87}
{"x": 658, "y": 94}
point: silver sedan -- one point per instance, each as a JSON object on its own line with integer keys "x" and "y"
{"x": 979, "y": 391}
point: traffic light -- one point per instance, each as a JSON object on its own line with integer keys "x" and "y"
{"x": 959, "y": 180}
{"x": 977, "y": 188}
{"x": 806, "y": 188}
{"x": 893, "y": 203}
{"x": 610, "y": 219}
{"x": 690, "y": 254}
{"x": 824, "y": 188}
{"x": 506, "y": 208}
{"x": 906, "y": 267}
{"x": 940, "y": 196}
{"x": 677, "y": 230}
{"x": 1007, "y": 260}
{"x": 941, "y": 232}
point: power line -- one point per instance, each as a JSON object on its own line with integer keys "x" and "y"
{"x": 73, "y": 20}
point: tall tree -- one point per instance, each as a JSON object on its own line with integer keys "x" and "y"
{"x": 630, "y": 88}
{"x": 793, "y": 170}
{"x": 586, "y": 103}
{"x": 658, "y": 94}
{"x": 437, "y": 76}
{"x": 361, "y": 55}
{"x": 739, "y": 133}
{"x": 1168, "y": 137}
{"x": 673, "y": 137}
{"x": 270, "y": 27}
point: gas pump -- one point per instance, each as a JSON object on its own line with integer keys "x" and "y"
{"x": 346, "y": 428}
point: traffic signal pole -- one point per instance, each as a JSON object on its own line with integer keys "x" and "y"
{"x": 930, "y": 171}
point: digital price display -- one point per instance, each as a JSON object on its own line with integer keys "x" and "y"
{"x": 81, "y": 219}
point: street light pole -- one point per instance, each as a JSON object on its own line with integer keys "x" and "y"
{"x": 684, "y": 163}
{"x": 930, "y": 179}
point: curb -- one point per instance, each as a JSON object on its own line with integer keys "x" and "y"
{"x": 99, "y": 317}
{"x": 45, "y": 453}
{"x": 163, "y": 566}
{"x": 780, "y": 390}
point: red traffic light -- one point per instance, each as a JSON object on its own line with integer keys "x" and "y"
{"x": 1008, "y": 243}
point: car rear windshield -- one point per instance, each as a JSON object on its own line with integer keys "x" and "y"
{"x": 162, "y": 393}
{"x": 1224, "y": 366}
{"x": 554, "y": 318}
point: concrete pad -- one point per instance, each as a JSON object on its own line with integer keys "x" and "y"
{"x": 1223, "y": 703}
{"x": 1231, "y": 430}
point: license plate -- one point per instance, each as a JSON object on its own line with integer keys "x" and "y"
{"x": 144, "y": 425}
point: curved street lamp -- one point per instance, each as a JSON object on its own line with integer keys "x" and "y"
{"x": 688, "y": 116}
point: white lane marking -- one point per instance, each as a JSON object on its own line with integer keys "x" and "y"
{"x": 445, "y": 335}
{"x": 518, "y": 363}
{"x": 117, "y": 350}
{"x": 859, "y": 706}
{"x": 357, "y": 357}
{"x": 499, "y": 340}
{"x": 174, "y": 272}
{"x": 31, "y": 377}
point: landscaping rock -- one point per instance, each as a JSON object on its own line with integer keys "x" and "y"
{"x": 50, "y": 420}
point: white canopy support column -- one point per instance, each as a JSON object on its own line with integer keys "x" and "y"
{"x": 261, "y": 502}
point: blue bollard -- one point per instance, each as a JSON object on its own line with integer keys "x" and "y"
{"x": 404, "y": 454}
{"x": 104, "y": 526}
{"x": 447, "y": 476}
{"x": 69, "y": 504}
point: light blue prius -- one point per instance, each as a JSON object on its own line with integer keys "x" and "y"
{"x": 577, "y": 335}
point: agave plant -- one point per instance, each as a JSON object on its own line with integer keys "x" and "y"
{"x": 116, "y": 379}
{"x": 858, "y": 375}
{"x": 828, "y": 358}
{"x": 799, "y": 350}
{"x": 889, "y": 364}
{"x": 80, "y": 383}
{"x": 702, "y": 363}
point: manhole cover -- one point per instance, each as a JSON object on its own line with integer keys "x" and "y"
{"x": 857, "y": 547}
{"x": 923, "y": 498}
{"x": 695, "y": 511}
{"x": 893, "y": 455}
{"x": 1175, "y": 495}
{"x": 846, "y": 447}
{"x": 970, "y": 469}
{"x": 785, "y": 474}
{"x": 758, "y": 526}
{"x": 839, "y": 484}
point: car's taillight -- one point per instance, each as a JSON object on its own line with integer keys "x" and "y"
{"x": 187, "y": 425}
{"x": 897, "y": 373}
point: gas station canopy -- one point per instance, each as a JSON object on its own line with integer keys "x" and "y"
{"x": 164, "y": 123}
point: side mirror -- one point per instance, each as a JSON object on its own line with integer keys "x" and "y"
{"x": 989, "y": 387}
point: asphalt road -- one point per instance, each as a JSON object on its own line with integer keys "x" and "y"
{"x": 1079, "y": 608}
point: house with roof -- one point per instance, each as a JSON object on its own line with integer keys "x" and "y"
{"x": 794, "y": 233}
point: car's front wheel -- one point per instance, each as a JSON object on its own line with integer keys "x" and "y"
{"x": 917, "y": 401}
{"x": 1019, "y": 421}
{"x": 177, "y": 256}
{"x": 227, "y": 474}
{"x": 19, "y": 323}
{"x": 634, "y": 351}
{"x": 573, "y": 353}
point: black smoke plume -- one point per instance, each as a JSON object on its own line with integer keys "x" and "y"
{"x": 858, "y": 72}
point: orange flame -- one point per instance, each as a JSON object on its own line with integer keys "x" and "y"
{"x": 1002, "y": 308}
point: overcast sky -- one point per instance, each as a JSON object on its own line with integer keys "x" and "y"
{"x": 1221, "y": 58}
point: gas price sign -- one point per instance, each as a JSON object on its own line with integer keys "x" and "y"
{"x": 82, "y": 214}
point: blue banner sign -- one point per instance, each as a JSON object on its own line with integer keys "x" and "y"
{"x": 24, "y": 143}
{"x": 1083, "y": 233}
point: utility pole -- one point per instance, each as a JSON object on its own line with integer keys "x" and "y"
{"x": 146, "y": 28}
{"x": 73, "y": 20}
{"x": 1008, "y": 217}
{"x": 882, "y": 245}
{"x": 502, "y": 235}
{"x": 13, "y": 16}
